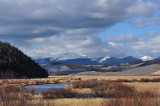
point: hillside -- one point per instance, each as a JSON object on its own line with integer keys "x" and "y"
{"x": 15, "y": 64}
{"x": 72, "y": 59}
{"x": 82, "y": 61}
{"x": 136, "y": 67}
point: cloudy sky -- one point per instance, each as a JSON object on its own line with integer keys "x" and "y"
{"x": 44, "y": 28}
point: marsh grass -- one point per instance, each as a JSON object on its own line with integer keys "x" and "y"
{"x": 105, "y": 92}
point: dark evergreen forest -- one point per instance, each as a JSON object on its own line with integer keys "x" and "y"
{"x": 15, "y": 64}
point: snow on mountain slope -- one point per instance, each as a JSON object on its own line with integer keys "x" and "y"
{"x": 66, "y": 56}
{"x": 104, "y": 59}
{"x": 146, "y": 58}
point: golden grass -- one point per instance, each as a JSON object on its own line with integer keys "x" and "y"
{"x": 79, "y": 102}
{"x": 99, "y": 77}
{"x": 152, "y": 86}
{"x": 72, "y": 78}
{"x": 142, "y": 86}
{"x": 79, "y": 90}
{"x": 139, "y": 86}
{"x": 62, "y": 102}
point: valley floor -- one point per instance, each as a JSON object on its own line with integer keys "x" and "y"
{"x": 139, "y": 86}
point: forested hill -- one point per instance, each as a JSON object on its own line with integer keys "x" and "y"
{"x": 15, "y": 64}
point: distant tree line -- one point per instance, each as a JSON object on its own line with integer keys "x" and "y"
{"x": 14, "y": 63}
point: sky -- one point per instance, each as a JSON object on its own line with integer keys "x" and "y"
{"x": 118, "y": 28}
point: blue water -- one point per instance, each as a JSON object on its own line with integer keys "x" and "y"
{"x": 40, "y": 88}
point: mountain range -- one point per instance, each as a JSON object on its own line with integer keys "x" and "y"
{"x": 139, "y": 67}
{"x": 106, "y": 65}
{"x": 15, "y": 64}
{"x": 77, "y": 58}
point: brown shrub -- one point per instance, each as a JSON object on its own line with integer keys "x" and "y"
{"x": 119, "y": 90}
{"x": 106, "y": 88}
{"x": 123, "y": 80}
{"x": 145, "y": 98}
{"x": 56, "y": 93}
{"x": 145, "y": 80}
{"x": 134, "y": 80}
{"x": 90, "y": 83}
{"x": 10, "y": 94}
{"x": 31, "y": 90}
{"x": 145, "y": 94}
{"x": 56, "y": 81}
{"x": 155, "y": 80}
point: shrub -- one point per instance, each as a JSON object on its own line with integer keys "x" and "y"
{"x": 145, "y": 94}
{"x": 100, "y": 91}
{"x": 136, "y": 98}
{"x": 31, "y": 90}
{"x": 56, "y": 81}
{"x": 10, "y": 94}
{"x": 145, "y": 80}
{"x": 106, "y": 88}
{"x": 119, "y": 90}
{"x": 123, "y": 80}
{"x": 155, "y": 80}
{"x": 90, "y": 83}
{"x": 56, "y": 93}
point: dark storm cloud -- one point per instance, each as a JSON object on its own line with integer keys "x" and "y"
{"x": 34, "y": 18}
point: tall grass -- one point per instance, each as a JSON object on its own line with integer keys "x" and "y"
{"x": 13, "y": 96}
{"x": 138, "y": 101}
{"x": 17, "y": 96}
{"x": 116, "y": 93}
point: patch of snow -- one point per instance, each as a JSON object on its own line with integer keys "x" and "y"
{"x": 146, "y": 58}
{"x": 66, "y": 56}
{"x": 104, "y": 59}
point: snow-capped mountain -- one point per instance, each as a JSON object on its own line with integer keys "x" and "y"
{"x": 66, "y": 56}
{"x": 146, "y": 58}
{"x": 61, "y": 57}
{"x": 103, "y": 59}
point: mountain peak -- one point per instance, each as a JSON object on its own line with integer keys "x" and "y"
{"x": 69, "y": 55}
{"x": 145, "y": 58}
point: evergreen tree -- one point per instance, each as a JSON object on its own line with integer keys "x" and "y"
{"x": 15, "y": 63}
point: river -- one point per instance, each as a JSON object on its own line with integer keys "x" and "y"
{"x": 40, "y": 88}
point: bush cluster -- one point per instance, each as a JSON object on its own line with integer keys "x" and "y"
{"x": 141, "y": 80}
{"x": 58, "y": 93}
{"x": 13, "y": 96}
{"x": 145, "y": 98}
{"x": 110, "y": 89}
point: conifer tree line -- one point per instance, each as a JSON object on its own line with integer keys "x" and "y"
{"x": 14, "y": 63}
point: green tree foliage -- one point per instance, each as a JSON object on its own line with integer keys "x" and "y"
{"x": 14, "y": 62}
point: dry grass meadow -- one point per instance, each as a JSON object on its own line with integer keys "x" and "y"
{"x": 141, "y": 86}
{"x": 38, "y": 100}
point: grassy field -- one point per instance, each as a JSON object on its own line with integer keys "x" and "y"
{"x": 150, "y": 86}
{"x": 99, "y": 77}
{"x": 72, "y": 78}
{"x": 79, "y": 102}
{"x": 139, "y": 86}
